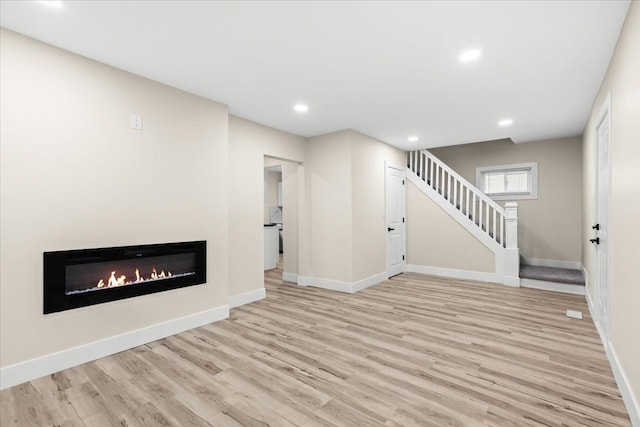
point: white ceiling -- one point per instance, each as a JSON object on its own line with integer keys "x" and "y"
{"x": 387, "y": 69}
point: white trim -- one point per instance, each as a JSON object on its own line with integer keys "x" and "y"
{"x": 247, "y": 297}
{"x": 341, "y": 286}
{"x": 567, "y": 288}
{"x": 540, "y": 262}
{"x": 454, "y": 273}
{"x": 514, "y": 282}
{"x": 605, "y": 108}
{"x": 368, "y": 282}
{"x": 330, "y": 284}
{"x": 289, "y": 277}
{"x": 35, "y": 368}
{"x": 624, "y": 386}
{"x": 532, "y": 167}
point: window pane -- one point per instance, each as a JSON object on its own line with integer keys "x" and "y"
{"x": 509, "y": 182}
{"x": 494, "y": 182}
{"x": 517, "y": 182}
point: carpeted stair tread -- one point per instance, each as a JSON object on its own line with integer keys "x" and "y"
{"x": 552, "y": 274}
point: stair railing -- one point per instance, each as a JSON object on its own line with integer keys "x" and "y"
{"x": 490, "y": 217}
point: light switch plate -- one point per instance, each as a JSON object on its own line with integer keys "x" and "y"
{"x": 136, "y": 121}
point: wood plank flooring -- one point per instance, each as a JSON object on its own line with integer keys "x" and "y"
{"x": 413, "y": 351}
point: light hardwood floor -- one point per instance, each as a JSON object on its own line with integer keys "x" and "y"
{"x": 413, "y": 351}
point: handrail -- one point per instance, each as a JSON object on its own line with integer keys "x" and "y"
{"x": 471, "y": 187}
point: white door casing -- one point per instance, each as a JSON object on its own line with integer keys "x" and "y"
{"x": 395, "y": 219}
{"x": 603, "y": 174}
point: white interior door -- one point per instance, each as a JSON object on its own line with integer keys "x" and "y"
{"x": 395, "y": 220}
{"x": 602, "y": 218}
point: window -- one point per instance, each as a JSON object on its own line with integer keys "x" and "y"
{"x": 509, "y": 182}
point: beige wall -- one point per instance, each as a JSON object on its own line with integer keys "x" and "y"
{"x": 328, "y": 183}
{"x": 435, "y": 239}
{"x": 623, "y": 83}
{"x": 368, "y": 157}
{"x": 549, "y": 227}
{"x": 345, "y": 181}
{"x": 249, "y": 142}
{"x": 74, "y": 175}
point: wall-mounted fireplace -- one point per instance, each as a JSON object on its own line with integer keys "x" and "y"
{"x": 79, "y": 278}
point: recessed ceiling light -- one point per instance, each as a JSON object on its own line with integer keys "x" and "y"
{"x": 52, "y": 3}
{"x": 301, "y": 108}
{"x": 413, "y": 138}
{"x": 470, "y": 55}
{"x": 505, "y": 122}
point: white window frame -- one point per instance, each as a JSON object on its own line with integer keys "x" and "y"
{"x": 532, "y": 167}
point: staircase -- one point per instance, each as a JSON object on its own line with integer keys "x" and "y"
{"x": 494, "y": 226}
{"x": 565, "y": 280}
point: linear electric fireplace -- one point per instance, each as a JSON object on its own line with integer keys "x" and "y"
{"x": 84, "y": 277}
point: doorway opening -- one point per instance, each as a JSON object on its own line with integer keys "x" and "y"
{"x": 280, "y": 217}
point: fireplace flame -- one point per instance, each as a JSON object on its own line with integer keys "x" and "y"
{"x": 114, "y": 281}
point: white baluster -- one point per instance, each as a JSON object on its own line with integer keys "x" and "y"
{"x": 467, "y": 211}
{"x": 455, "y": 193}
{"x": 479, "y": 212}
{"x": 511, "y": 219}
{"x": 487, "y": 218}
{"x": 432, "y": 173}
{"x": 501, "y": 230}
{"x": 473, "y": 204}
{"x": 495, "y": 230}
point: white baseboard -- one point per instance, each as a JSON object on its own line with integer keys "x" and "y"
{"x": 457, "y": 274}
{"x": 332, "y": 285}
{"x": 586, "y": 278}
{"x": 289, "y": 277}
{"x": 540, "y": 262}
{"x": 35, "y": 368}
{"x": 514, "y": 282}
{"x": 624, "y": 386}
{"x": 246, "y": 297}
{"x": 369, "y": 281}
{"x": 567, "y": 288}
{"x": 341, "y": 286}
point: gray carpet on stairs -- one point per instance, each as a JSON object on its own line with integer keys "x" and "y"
{"x": 551, "y": 274}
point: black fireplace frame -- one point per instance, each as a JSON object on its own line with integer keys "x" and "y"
{"x": 56, "y": 299}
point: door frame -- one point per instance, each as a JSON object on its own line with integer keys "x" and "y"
{"x": 403, "y": 170}
{"x": 603, "y": 323}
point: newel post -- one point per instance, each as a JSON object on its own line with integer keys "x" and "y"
{"x": 511, "y": 263}
{"x": 511, "y": 219}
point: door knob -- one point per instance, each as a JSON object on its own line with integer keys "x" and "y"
{"x": 390, "y": 229}
{"x": 596, "y": 227}
{"x": 596, "y": 240}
